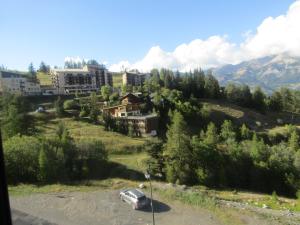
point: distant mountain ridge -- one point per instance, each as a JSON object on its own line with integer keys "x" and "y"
{"x": 270, "y": 72}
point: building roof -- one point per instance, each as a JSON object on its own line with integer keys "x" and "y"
{"x": 11, "y": 74}
{"x": 129, "y": 95}
{"x": 71, "y": 70}
{"x": 136, "y": 74}
{"x": 83, "y": 69}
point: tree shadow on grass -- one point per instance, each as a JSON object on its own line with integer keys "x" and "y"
{"x": 158, "y": 207}
{"x": 117, "y": 170}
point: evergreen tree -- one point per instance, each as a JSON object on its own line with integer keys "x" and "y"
{"x": 32, "y": 72}
{"x": 15, "y": 118}
{"x": 259, "y": 99}
{"x": 211, "y": 135}
{"x": 296, "y": 162}
{"x": 44, "y": 68}
{"x": 245, "y": 132}
{"x": 154, "y": 148}
{"x": 105, "y": 92}
{"x": 94, "y": 110}
{"x": 227, "y": 131}
{"x": 178, "y": 151}
{"x": 275, "y": 101}
{"x": 59, "y": 107}
{"x": 258, "y": 150}
{"x": 294, "y": 141}
{"x": 212, "y": 88}
{"x": 246, "y": 96}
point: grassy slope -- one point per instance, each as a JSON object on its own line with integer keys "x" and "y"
{"x": 117, "y": 79}
{"x": 136, "y": 162}
{"x": 84, "y": 130}
{"x": 221, "y": 110}
{"x": 45, "y": 79}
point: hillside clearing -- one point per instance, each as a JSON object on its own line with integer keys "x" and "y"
{"x": 221, "y": 110}
{"x": 83, "y": 130}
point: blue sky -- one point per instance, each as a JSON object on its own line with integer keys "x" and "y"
{"x": 115, "y": 30}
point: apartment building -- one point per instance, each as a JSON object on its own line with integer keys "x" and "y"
{"x": 134, "y": 78}
{"x": 18, "y": 83}
{"x": 89, "y": 78}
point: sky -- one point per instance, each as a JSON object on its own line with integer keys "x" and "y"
{"x": 142, "y": 34}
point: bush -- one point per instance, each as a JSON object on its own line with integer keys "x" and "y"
{"x": 59, "y": 107}
{"x": 298, "y": 195}
{"x": 21, "y": 158}
{"x": 70, "y": 104}
{"x": 93, "y": 157}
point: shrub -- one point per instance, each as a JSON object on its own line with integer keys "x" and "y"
{"x": 93, "y": 157}
{"x": 71, "y": 104}
{"x": 59, "y": 107}
{"x": 21, "y": 158}
{"x": 298, "y": 195}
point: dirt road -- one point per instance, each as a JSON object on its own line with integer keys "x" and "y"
{"x": 104, "y": 207}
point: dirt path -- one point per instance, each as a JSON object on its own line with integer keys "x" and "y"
{"x": 104, "y": 207}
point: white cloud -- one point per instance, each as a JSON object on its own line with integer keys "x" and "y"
{"x": 121, "y": 66}
{"x": 276, "y": 35}
{"x": 272, "y": 36}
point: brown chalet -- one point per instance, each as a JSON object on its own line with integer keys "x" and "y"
{"x": 129, "y": 110}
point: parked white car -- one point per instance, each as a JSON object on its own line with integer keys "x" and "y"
{"x": 134, "y": 197}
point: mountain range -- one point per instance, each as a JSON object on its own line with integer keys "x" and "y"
{"x": 270, "y": 72}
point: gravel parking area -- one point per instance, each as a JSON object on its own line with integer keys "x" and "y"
{"x": 105, "y": 207}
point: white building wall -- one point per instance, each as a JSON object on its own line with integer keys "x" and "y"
{"x": 19, "y": 85}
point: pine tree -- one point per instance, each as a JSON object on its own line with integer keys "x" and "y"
{"x": 258, "y": 99}
{"x": 178, "y": 151}
{"x": 258, "y": 150}
{"x": 105, "y": 92}
{"x": 227, "y": 131}
{"x": 59, "y": 107}
{"x": 15, "y": 119}
{"x": 211, "y": 86}
{"x": 294, "y": 141}
{"x": 245, "y": 132}
{"x": 94, "y": 110}
{"x": 32, "y": 72}
{"x": 211, "y": 135}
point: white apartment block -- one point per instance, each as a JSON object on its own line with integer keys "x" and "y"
{"x": 89, "y": 78}
{"x": 17, "y": 83}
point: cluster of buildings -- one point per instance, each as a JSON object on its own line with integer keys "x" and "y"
{"x": 88, "y": 79}
{"x": 67, "y": 81}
